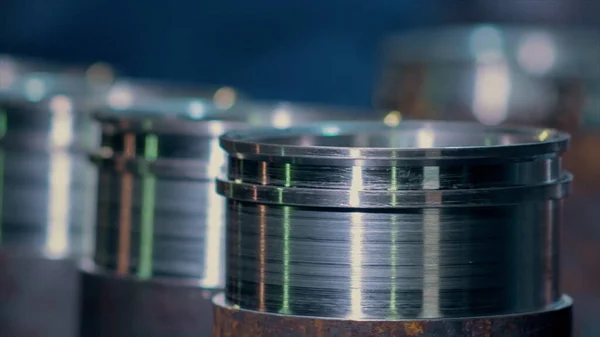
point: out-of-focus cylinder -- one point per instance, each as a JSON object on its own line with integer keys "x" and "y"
{"x": 401, "y": 225}
{"x": 160, "y": 234}
{"x": 46, "y": 196}
{"x": 493, "y": 74}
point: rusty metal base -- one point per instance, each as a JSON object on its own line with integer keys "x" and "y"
{"x": 113, "y": 306}
{"x": 232, "y": 322}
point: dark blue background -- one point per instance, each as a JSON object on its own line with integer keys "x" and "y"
{"x": 320, "y": 51}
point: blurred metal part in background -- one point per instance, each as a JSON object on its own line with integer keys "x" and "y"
{"x": 426, "y": 228}
{"x": 46, "y": 195}
{"x": 492, "y": 74}
{"x": 160, "y": 232}
{"x": 518, "y": 75}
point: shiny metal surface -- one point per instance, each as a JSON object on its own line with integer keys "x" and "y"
{"x": 538, "y": 75}
{"x": 158, "y": 213}
{"x": 414, "y": 220}
{"x": 494, "y": 74}
{"x": 46, "y": 197}
{"x": 47, "y": 181}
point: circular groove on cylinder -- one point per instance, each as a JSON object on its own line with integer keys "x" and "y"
{"x": 320, "y": 223}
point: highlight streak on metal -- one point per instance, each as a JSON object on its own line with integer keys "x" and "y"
{"x": 147, "y": 216}
{"x": 285, "y": 308}
{"x": 393, "y": 249}
{"x": 58, "y": 208}
{"x": 431, "y": 262}
{"x": 356, "y": 186}
{"x": 147, "y": 227}
{"x": 467, "y": 235}
{"x": 124, "y": 251}
{"x": 288, "y": 175}
{"x": 214, "y": 254}
{"x": 356, "y": 270}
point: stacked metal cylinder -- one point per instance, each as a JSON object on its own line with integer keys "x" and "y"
{"x": 46, "y": 186}
{"x": 159, "y": 254}
{"x": 405, "y": 229}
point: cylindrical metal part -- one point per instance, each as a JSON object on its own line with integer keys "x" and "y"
{"x": 502, "y": 73}
{"x": 416, "y": 220}
{"x": 159, "y": 218}
{"x": 46, "y": 197}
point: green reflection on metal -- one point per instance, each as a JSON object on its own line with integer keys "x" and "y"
{"x": 147, "y": 216}
{"x": 288, "y": 175}
{"x": 488, "y": 141}
{"x": 3, "y": 123}
{"x": 151, "y": 147}
{"x": 147, "y": 226}
{"x": 285, "y": 309}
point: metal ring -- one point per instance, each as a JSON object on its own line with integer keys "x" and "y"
{"x": 392, "y": 199}
{"x": 410, "y": 140}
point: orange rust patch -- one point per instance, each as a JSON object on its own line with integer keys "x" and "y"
{"x": 413, "y": 329}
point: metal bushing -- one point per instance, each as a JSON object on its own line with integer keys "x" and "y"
{"x": 46, "y": 197}
{"x": 159, "y": 219}
{"x": 393, "y": 223}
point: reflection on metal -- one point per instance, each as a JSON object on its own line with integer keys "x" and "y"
{"x": 147, "y": 227}
{"x": 61, "y": 110}
{"x": 357, "y": 249}
{"x": 44, "y": 191}
{"x": 422, "y": 220}
{"x": 147, "y": 216}
{"x": 492, "y": 93}
{"x": 59, "y": 216}
{"x": 173, "y": 183}
{"x": 166, "y": 155}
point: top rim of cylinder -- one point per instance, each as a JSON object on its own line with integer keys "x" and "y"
{"x": 408, "y": 140}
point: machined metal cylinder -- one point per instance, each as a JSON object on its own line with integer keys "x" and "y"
{"x": 46, "y": 197}
{"x": 399, "y": 224}
{"x": 160, "y": 223}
